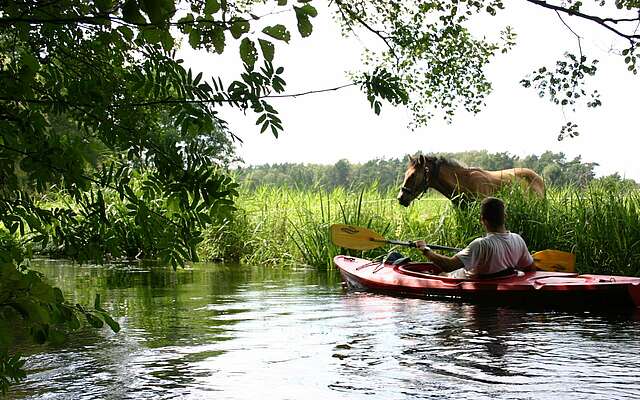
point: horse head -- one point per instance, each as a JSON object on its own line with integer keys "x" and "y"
{"x": 417, "y": 178}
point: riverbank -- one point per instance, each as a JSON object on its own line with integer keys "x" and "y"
{"x": 283, "y": 226}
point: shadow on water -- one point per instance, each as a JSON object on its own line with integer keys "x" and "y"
{"x": 229, "y": 331}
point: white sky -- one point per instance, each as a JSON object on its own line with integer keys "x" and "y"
{"x": 323, "y": 128}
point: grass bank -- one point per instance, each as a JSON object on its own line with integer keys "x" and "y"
{"x": 283, "y": 226}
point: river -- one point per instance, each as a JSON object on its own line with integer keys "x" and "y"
{"x": 237, "y": 332}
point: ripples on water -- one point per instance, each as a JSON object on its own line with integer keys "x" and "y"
{"x": 229, "y": 332}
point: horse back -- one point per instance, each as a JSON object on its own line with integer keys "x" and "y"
{"x": 528, "y": 176}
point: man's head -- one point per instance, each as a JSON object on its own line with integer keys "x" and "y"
{"x": 492, "y": 213}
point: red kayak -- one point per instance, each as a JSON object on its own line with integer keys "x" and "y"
{"x": 556, "y": 289}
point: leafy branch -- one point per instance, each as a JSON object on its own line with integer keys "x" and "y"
{"x": 605, "y": 22}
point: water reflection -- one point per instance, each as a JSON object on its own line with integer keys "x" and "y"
{"x": 234, "y": 332}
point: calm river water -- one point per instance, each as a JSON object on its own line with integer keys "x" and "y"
{"x": 230, "y": 332}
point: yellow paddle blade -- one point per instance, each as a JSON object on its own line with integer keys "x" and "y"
{"x": 555, "y": 261}
{"x": 355, "y": 237}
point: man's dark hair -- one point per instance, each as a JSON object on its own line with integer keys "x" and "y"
{"x": 492, "y": 210}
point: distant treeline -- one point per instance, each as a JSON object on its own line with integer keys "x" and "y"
{"x": 556, "y": 169}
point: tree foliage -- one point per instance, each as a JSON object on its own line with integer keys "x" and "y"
{"x": 565, "y": 83}
{"x": 428, "y": 50}
{"x": 95, "y": 103}
{"x": 429, "y": 47}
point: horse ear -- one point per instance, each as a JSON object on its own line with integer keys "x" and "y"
{"x": 411, "y": 159}
{"x": 423, "y": 160}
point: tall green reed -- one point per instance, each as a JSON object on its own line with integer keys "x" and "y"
{"x": 600, "y": 224}
{"x": 282, "y": 226}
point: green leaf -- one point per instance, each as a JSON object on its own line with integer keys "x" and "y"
{"x": 194, "y": 38}
{"x": 186, "y": 23}
{"x": 279, "y": 32}
{"x": 42, "y": 291}
{"x": 282, "y": 2}
{"x": 115, "y": 327}
{"x": 309, "y": 10}
{"x": 35, "y": 311}
{"x": 267, "y": 48}
{"x": 73, "y": 322}
{"x": 197, "y": 79}
{"x": 302, "y": 15}
{"x": 57, "y": 295}
{"x": 218, "y": 39}
{"x": 265, "y": 125}
{"x": 126, "y": 32}
{"x": 151, "y": 35}
{"x": 304, "y": 25}
{"x": 131, "y": 13}
{"x": 103, "y": 5}
{"x": 248, "y": 52}
{"x": 158, "y": 10}
{"x": 30, "y": 61}
{"x": 211, "y": 6}
{"x": 239, "y": 27}
{"x": 167, "y": 40}
{"x": 93, "y": 320}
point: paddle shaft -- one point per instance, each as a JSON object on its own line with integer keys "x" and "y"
{"x": 412, "y": 244}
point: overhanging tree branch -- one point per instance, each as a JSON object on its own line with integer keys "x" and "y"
{"x": 344, "y": 9}
{"x": 632, "y": 37}
{"x": 173, "y": 101}
{"x": 101, "y": 18}
{"x": 276, "y": 96}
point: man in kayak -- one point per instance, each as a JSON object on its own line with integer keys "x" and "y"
{"x": 496, "y": 254}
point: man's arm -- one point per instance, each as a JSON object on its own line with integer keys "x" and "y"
{"x": 526, "y": 262}
{"x": 447, "y": 264}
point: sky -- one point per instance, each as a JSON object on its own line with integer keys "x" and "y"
{"x": 324, "y": 128}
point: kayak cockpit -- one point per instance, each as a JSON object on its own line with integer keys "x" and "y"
{"x": 419, "y": 268}
{"x": 429, "y": 270}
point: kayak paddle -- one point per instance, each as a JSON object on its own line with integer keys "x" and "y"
{"x": 555, "y": 260}
{"x": 359, "y": 238}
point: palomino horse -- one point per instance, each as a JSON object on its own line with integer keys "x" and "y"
{"x": 457, "y": 182}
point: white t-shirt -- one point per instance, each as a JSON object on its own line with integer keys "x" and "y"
{"x": 493, "y": 253}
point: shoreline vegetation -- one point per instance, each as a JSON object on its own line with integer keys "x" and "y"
{"x": 277, "y": 223}
{"x": 284, "y": 226}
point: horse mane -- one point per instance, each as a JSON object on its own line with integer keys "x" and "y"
{"x": 451, "y": 162}
{"x": 438, "y": 160}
